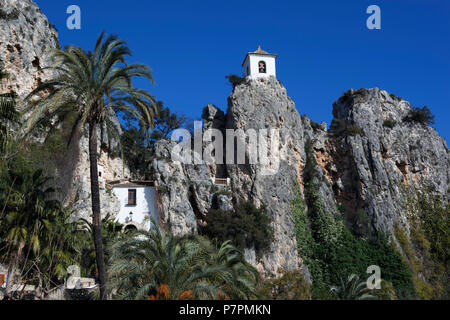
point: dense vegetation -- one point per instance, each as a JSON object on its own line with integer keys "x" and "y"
{"x": 290, "y": 285}
{"x": 332, "y": 251}
{"x": 246, "y": 226}
{"x": 137, "y": 148}
{"x": 156, "y": 265}
{"x": 427, "y": 249}
{"x": 38, "y": 238}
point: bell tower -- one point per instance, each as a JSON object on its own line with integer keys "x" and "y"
{"x": 259, "y": 64}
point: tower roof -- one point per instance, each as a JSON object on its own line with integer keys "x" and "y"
{"x": 261, "y": 52}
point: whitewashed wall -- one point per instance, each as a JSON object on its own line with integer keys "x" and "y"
{"x": 144, "y": 209}
{"x": 252, "y": 62}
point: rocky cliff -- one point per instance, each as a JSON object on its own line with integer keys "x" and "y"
{"x": 25, "y": 37}
{"x": 26, "y": 40}
{"x": 368, "y": 166}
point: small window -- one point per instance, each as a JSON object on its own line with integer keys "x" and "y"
{"x": 100, "y": 174}
{"x": 248, "y": 70}
{"x": 132, "y": 197}
{"x": 262, "y": 67}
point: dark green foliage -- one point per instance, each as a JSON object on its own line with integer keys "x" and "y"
{"x": 137, "y": 150}
{"x": 246, "y": 226}
{"x": 393, "y": 96}
{"x": 352, "y": 289}
{"x": 8, "y": 114}
{"x": 420, "y": 115}
{"x": 156, "y": 265}
{"x": 136, "y": 154}
{"x": 37, "y": 236}
{"x": 427, "y": 249}
{"x": 389, "y": 123}
{"x": 292, "y": 285}
{"x": 350, "y": 95}
{"x": 340, "y": 128}
{"x": 166, "y": 122}
{"x": 235, "y": 80}
{"x": 315, "y": 125}
{"x": 111, "y": 232}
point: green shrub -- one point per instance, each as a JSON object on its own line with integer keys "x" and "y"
{"x": 387, "y": 291}
{"x": 315, "y": 125}
{"x": 292, "y": 285}
{"x": 427, "y": 249}
{"x": 340, "y": 128}
{"x": 246, "y": 226}
{"x": 389, "y": 123}
{"x": 235, "y": 80}
{"x": 351, "y": 95}
{"x": 394, "y": 97}
{"x": 420, "y": 115}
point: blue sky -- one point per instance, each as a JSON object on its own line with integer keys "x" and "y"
{"x": 324, "y": 47}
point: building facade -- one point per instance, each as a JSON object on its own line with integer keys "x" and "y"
{"x": 259, "y": 64}
{"x": 138, "y": 204}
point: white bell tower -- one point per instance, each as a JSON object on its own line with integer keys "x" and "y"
{"x": 259, "y": 64}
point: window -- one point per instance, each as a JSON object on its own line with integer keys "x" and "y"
{"x": 131, "y": 197}
{"x": 248, "y": 70}
{"x": 262, "y": 67}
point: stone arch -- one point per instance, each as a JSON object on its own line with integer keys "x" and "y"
{"x": 131, "y": 226}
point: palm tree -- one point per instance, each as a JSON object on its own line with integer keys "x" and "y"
{"x": 8, "y": 113}
{"x": 352, "y": 289}
{"x": 157, "y": 265}
{"x": 90, "y": 84}
{"x": 24, "y": 217}
{"x": 111, "y": 230}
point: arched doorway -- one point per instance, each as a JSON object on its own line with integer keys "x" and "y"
{"x": 130, "y": 228}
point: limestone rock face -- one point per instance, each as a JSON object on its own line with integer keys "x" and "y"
{"x": 76, "y": 176}
{"x": 374, "y": 170}
{"x": 25, "y": 39}
{"x": 184, "y": 190}
{"x": 264, "y": 104}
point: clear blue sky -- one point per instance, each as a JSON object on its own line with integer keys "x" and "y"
{"x": 324, "y": 47}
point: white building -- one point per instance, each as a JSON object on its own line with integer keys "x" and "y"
{"x": 137, "y": 204}
{"x": 259, "y": 64}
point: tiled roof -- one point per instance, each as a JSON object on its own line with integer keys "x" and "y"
{"x": 259, "y": 51}
{"x": 130, "y": 184}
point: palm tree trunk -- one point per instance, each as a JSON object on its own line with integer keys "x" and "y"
{"x": 96, "y": 217}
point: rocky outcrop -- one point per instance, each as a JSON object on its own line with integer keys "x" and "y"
{"x": 26, "y": 38}
{"x": 185, "y": 190}
{"x": 75, "y": 174}
{"x": 387, "y": 157}
{"x": 264, "y": 104}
